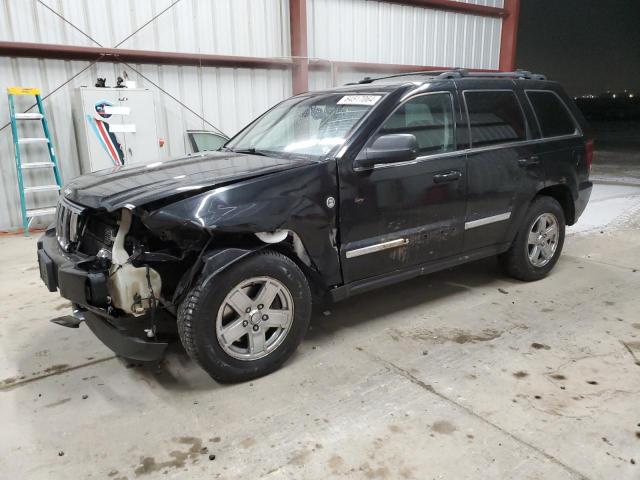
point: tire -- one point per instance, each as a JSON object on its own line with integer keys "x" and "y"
{"x": 517, "y": 261}
{"x": 203, "y": 313}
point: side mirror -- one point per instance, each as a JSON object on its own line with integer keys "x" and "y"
{"x": 390, "y": 148}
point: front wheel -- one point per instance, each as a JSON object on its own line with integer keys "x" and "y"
{"x": 247, "y": 321}
{"x": 539, "y": 241}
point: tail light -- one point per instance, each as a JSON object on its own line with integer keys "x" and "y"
{"x": 588, "y": 153}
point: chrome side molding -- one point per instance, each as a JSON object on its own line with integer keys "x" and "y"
{"x": 487, "y": 220}
{"x": 378, "y": 247}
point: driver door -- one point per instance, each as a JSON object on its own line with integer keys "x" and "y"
{"x": 395, "y": 216}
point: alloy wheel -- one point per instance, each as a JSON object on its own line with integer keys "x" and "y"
{"x": 543, "y": 239}
{"x": 254, "y": 318}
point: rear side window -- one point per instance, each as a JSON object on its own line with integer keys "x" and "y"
{"x": 553, "y": 116}
{"x": 494, "y": 117}
{"x": 429, "y": 118}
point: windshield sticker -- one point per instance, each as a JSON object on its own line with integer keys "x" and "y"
{"x": 359, "y": 100}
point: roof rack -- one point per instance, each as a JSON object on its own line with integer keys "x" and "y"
{"x": 459, "y": 73}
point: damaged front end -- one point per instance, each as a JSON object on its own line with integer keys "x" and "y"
{"x": 127, "y": 258}
{"x": 120, "y": 277}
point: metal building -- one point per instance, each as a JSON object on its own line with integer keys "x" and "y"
{"x": 219, "y": 63}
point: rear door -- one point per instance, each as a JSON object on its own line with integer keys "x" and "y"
{"x": 561, "y": 148}
{"x": 502, "y": 169}
{"x": 396, "y": 215}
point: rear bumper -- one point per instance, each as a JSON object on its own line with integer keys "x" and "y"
{"x": 584, "y": 193}
{"x": 86, "y": 288}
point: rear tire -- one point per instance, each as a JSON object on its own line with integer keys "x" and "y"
{"x": 538, "y": 243}
{"x": 269, "y": 317}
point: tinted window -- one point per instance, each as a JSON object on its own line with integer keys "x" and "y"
{"x": 205, "y": 141}
{"x": 552, "y": 115}
{"x": 495, "y": 117}
{"x": 429, "y": 118}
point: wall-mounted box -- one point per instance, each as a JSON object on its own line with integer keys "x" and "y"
{"x": 115, "y": 126}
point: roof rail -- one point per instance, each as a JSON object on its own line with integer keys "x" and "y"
{"x": 523, "y": 74}
{"x": 459, "y": 73}
{"x": 426, "y": 73}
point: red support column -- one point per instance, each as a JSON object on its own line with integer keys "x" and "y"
{"x": 298, "y": 29}
{"x": 509, "y": 36}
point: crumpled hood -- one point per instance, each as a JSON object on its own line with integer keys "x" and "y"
{"x": 137, "y": 185}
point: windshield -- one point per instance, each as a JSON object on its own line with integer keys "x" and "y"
{"x": 311, "y": 126}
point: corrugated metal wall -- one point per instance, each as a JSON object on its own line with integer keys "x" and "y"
{"x": 229, "y": 27}
{"x": 381, "y": 32}
{"x": 227, "y": 98}
{"x": 353, "y": 30}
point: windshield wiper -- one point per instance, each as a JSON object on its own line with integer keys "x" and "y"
{"x": 250, "y": 151}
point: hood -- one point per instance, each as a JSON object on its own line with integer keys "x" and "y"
{"x": 136, "y": 185}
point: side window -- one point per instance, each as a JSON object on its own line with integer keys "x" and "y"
{"x": 552, "y": 115}
{"x": 494, "y": 117}
{"x": 205, "y": 141}
{"x": 429, "y": 118}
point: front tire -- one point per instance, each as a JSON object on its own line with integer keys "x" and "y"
{"x": 538, "y": 243}
{"x": 247, "y": 321}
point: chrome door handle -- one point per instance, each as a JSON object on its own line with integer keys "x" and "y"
{"x": 528, "y": 162}
{"x": 451, "y": 176}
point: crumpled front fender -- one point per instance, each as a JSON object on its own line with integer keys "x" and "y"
{"x": 211, "y": 264}
{"x": 218, "y": 260}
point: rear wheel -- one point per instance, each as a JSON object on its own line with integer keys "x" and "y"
{"x": 539, "y": 241}
{"x": 248, "y": 320}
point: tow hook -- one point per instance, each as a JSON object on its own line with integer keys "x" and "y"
{"x": 71, "y": 321}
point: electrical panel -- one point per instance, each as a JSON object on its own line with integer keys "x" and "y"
{"x": 115, "y": 126}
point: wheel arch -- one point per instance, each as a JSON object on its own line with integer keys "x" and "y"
{"x": 562, "y": 194}
{"x": 217, "y": 260}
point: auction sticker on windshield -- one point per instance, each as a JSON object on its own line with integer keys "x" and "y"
{"x": 359, "y": 100}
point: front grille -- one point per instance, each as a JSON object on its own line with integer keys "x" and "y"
{"x": 99, "y": 231}
{"x": 69, "y": 222}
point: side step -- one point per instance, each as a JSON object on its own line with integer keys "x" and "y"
{"x": 28, "y": 116}
{"x": 26, "y": 166}
{"x": 39, "y": 212}
{"x": 33, "y": 140}
{"x": 41, "y": 188}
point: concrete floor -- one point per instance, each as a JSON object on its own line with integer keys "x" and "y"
{"x": 464, "y": 374}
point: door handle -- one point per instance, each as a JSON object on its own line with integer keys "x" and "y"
{"x": 451, "y": 176}
{"x": 528, "y": 162}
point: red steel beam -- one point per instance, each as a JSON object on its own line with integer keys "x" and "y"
{"x": 509, "y": 37}
{"x": 317, "y": 64}
{"x": 453, "y": 6}
{"x": 73, "y": 52}
{"x": 299, "y": 52}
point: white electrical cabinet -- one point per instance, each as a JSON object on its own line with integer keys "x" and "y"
{"x": 115, "y": 126}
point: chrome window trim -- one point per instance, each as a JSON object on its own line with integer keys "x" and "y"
{"x": 518, "y": 143}
{"x": 578, "y": 131}
{"x": 468, "y": 151}
{"x": 378, "y": 247}
{"x": 416, "y": 160}
{"x": 515, "y": 95}
{"x": 487, "y": 220}
{"x": 410, "y": 162}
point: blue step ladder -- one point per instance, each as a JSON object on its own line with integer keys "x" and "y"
{"x": 28, "y": 214}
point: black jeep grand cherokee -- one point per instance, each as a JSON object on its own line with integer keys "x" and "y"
{"x": 326, "y": 195}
